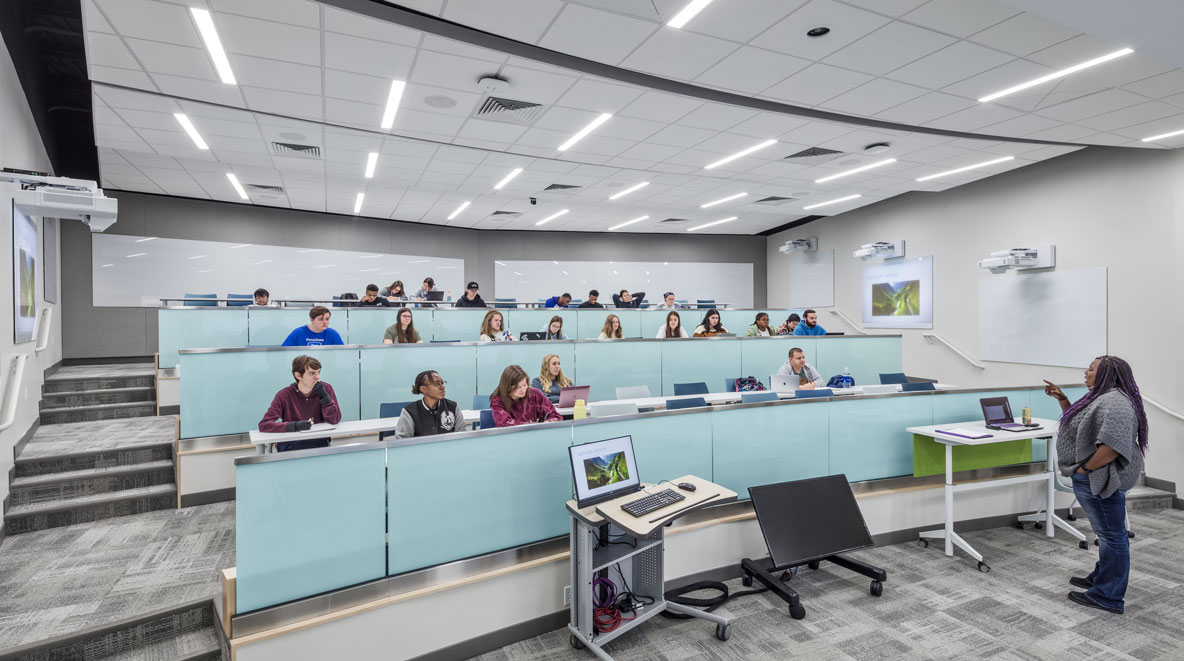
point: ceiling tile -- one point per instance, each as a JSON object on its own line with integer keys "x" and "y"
{"x": 888, "y": 48}
{"x": 751, "y": 70}
{"x": 974, "y": 118}
{"x": 119, "y": 98}
{"x": 816, "y": 84}
{"x": 526, "y": 22}
{"x": 848, "y": 24}
{"x": 283, "y": 103}
{"x": 599, "y": 96}
{"x": 356, "y": 25}
{"x": 450, "y": 71}
{"x": 680, "y": 136}
{"x": 425, "y": 122}
{"x": 150, "y": 20}
{"x": 372, "y": 58}
{"x": 173, "y": 60}
{"x": 1094, "y": 104}
{"x": 1074, "y": 51}
{"x": 873, "y": 97}
{"x": 661, "y": 106}
{"x": 596, "y": 35}
{"x": 1158, "y": 87}
{"x": 716, "y": 116}
{"x": 485, "y": 130}
{"x": 740, "y": 24}
{"x": 768, "y": 125}
{"x": 925, "y": 108}
{"x": 1021, "y": 126}
{"x": 274, "y": 74}
{"x": 125, "y": 77}
{"x": 894, "y": 8}
{"x": 1062, "y": 133}
{"x": 265, "y": 38}
{"x": 1000, "y": 78}
{"x": 1024, "y": 34}
{"x": 1133, "y": 116}
{"x": 356, "y": 114}
{"x": 629, "y": 128}
{"x": 535, "y": 86}
{"x": 108, "y": 50}
{"x": 363, "y": 89}
{"x": 950, "y": 65}
{"x": 305, "y": 14}
{"x": 678, "y": 54}
{"x": 960, "y": 18}
{"x": 147, "y": 119}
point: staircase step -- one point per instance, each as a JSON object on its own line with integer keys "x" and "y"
{"x": 197, "y": 645}
{"x": 98, "y": 412}
{"x": 1147, "y": 498}
{"x": 127, "y": 455}
{"x": 102, "y": 479}
{"x": 70, "y": 399}
{"x": 56, "y": 513}
{"x": 54, "y": 385}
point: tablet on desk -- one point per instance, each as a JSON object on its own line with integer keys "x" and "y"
{"x": 320, "y": 426}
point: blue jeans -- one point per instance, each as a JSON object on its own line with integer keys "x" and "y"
{"x": 1107, "y": 516}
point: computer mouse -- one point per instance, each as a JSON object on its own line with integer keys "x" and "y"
{"x": 686, "y": 486}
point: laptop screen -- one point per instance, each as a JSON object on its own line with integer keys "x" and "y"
{"x": 603, "y": 470}
{"x": 996, "y": 410}
{"x": 569, "y": 395}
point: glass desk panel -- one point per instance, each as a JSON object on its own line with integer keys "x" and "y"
{"x": 868, "y": 440}
{"x": 762, "y": 357}
{"x": 591, "y": 321}
{"x": 867, "y": 356}
{"x": 269, "y": 327}
{"x": 523, "y": 321}
{"x": 608, "y": 365}
{"x": 462, "y": 325}
{"x": 771, "y": 444}
{"x": 665, "y": 448}
{"x": 495, "y": 357}
{"x": 368, "y": 325}
{"x": 710, "y": 360}
{"x": 387, "y": 373}
{"x": 197, "y": 328}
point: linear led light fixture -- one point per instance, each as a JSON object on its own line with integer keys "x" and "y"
{"x": 1161, "y": 136}
{"x": 869, "y": 166}
{"x": 371, "y": 163}
{"x": 823, "y": 204}
{"x": 604, "y": 117}
{"x": 238, "y": 188}
{"x": 138, "y": 254}
{"x": 196, "y": 257}
{"x": 552, "y": 217}
{"x": 968, "y": 167}
{"x": 740, "y": 154}
{"x": 209, "y": 35}
{"x": 392, "y": 103}
{"x": 687, "y": 13}
{"x": 462, "y": 207}
{"x": 183, "y": 120}
{"x": 150, "y": 238}
{"x": 629, "y": 190}
{"x": 1057, "y": 74}
{"x": 241, "y": 245}
{"x": 716, "y": 222}
{"x": 627, "y": 223}
{"x": 722, "y": 200}
{"x": 513, "y": 173}
{"x": 358, "y": 202}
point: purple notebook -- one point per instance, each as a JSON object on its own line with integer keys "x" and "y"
{"x": 963, "y": 433}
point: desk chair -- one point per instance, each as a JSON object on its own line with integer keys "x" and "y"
{"x": 390, "y": 410}
{"x": 633, "y": 392}
{"x": 893, "y": 377}
{"x": 750, "y": 397}
{"x": 240, "y": 300}
{"x": 688, "y": 403}
{"x": 200, "y": 303}
{"x": 480, "y": 401}
{"x": 817, "y": 392}
{"x": 696, "y": 388}
{"x": 486, "y": 419}
{"x": 505, "y": 302}
{"x": 917, "y": 387}
{"x": 705, "y": 303}
{"x": 729, "y": 384}
{"x": 602, "y": 409}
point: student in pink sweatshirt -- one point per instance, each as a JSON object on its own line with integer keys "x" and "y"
{"x": 301, "y": 405}
{"x": 516, "y": 403}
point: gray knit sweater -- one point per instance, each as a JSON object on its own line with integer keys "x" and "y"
{"x": 1109, "y": 420}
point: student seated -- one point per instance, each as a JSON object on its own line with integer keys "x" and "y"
{"x": 471, "y": 298}
{"x": 301, "y": 405}
{"x": 809, "y": 325}
{"x": 491, "y": 329}
{"x": 551, "y": 378}
{"x": 554, "y": 329}
{"x": 612, "y": 328}
{"x": 431, "y": 415}
{"x": 394, "y": 291}
{"x": 672, "y": 327}
{"x": 262, "y": 299}
{"x": 808, "y": 377}
{"x": 626, "y": 300}
{"x": 559, "y": 301}
{"x": 317, "y": 333}
{"x": 516, "y": 403}
{"x": 710, "y": 326}
{"x": 759, "y": 327}
{"x": 402, "y": 331}
{"x": 372, "y": 299}
{"x": 668, "y": 302}
{"x": 591, "y": 302}
{"x": 428, "y": 285}
{"x": 791, "y": 322}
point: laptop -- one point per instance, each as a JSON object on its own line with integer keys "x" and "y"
{"x": 533, "y": 335}
{"x": 569, "y": 395}
{"x": 997, "y": 413}
{"x": 603, "y": 470}
{"x": 435, "y": 296}
{"x": 784, "y": 383}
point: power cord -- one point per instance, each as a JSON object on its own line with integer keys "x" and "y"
{"x": 711, "y": 603}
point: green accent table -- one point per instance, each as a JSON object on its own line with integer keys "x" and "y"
{"x": 929, "y": 456}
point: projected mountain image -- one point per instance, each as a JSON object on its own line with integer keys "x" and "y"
{"x": 28, "y": 284}
{"x": 896, "y": 299}
{"x": 609, "y": 469}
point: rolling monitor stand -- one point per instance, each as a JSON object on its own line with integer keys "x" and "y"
{"x": 805, "y": 522}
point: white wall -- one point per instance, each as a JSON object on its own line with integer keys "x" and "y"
{"x": 1101, "y": 207}
{"x": 20, "y": 147}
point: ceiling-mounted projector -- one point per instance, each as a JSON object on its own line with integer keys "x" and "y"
{"x": 1020, "y": 259}
{"x": 799, "y": 245}
{"x": 60, "y": 197}
{"x": 880, "y": 250}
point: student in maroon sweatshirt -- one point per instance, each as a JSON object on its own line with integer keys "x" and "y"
{"x": 302, "y": 404}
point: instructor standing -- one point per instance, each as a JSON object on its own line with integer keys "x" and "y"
{"x": 1101, "y": 443}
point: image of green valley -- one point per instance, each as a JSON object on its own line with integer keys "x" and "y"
{"x": 606, "y": 470}
{"x": 896, "y": 299}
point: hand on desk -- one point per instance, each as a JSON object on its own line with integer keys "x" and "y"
{"x": 807, "y": 386}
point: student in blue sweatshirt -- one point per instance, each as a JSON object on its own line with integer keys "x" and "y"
{"x": 809, "y": 325}
{"x": 559, "y": 301}
{"x": 317, "y": 333}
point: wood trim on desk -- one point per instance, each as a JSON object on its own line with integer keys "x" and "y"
{"x": 229, "y": 598}
{"x": 156, "y": 381}
{"x": 176, "y": 449}
{"x": 186, "y": 453}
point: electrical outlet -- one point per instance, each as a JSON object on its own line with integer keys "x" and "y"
{"x": 567, "y": 595}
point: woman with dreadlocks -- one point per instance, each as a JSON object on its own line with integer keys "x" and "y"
{"x": 1101, "y": 443}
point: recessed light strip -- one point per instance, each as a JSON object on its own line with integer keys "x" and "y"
{"x": 823, "y": 204}
{"x": 717, "y": 222}
{"x": 1161, "y": 136}
{"x": 968, "y": 167}
{"x": 629, "y": 190}
{"x": 1057, "y": 74}
{"x": 371, "y": 164}
{"x": 604, "y": 117}
{"x": 462, "y": 207}
{"x": 687, "y": 13}
{"x": 627, "y": 223}
{"x": 358, "y": 202}
{"x": 209, "y": 35}
{"x": 238, "y": 188}
{"x": 722, "y": 200}
{"x": 392, "y": 103}
{"x": 513, "y": 173}
{"x": 869, "y": 166}
{"x": 552, "y": 217}
{"x": 740, "y": 154}
{"x": 183, "y": 120}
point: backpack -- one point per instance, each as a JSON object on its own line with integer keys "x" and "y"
{"x": 836, "y": 381}
{"x": 748, "y": 384}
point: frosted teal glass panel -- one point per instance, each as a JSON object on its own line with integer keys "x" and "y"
{"x": 453, "y": 499}
{"x": 769, "y": 444}
{"x": 707, "y": 360}
{"x": 868, "y": 440}
{"x": 1048, "y": 408}
{"x": 367, "y": 325}
{"x": 965, "y": 407}
{"x": 665, "y": 447}
{"x": 307, "y": 526}
{"x": 495, "y": 357}
{"x": 591, "y": 322}
{"x": 523, "y": 321}
{"x": 867, "y": 356}
{"x": 268, "y": 327}
{"x": 387, "y": 373}
{"x": 197, "y": 328}
{"x": 652, "y": 320}
{"x": 228, "y": 393}
{"x": 462, "y": 325}
{"x": 762, "y": 357}
{"x": 736, "y": 321}
{"x": 608, "y": 365}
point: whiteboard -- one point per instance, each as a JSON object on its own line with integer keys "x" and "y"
{"x": 1055, "y": 318}
{"x": 729, "y": 283}
{"x": 812, "y": 279}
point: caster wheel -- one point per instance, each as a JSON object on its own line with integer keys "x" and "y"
{"x": 1130, "y": 535}
{"x": 723, "y": 631}
{"x": 1084, "y": 545}
{"x": 1039, "y": 525}
{"x": 813, "y": 565}
{"x": 797, "y": 612}
{"x": 575, "y": 642}
{"x": 1070, "y": 517}
{"x": 746, "y": 580}
{"x": 982, "y": 566}
{"x": 923, "y": 543}
{"x": 877, "y": 588}
{"x": 1019, "y": 525}
{"x": 1095, "y": 541}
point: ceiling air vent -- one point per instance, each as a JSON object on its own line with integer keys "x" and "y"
{"x": 509, "y": 110}
{"x": 675, "y": 220}
{"x": 293, "y": 149}
{"x": 813, "y": 152}
{"x": 266, "y": 188}
{"x": 504, "y": 215}
{"x": 561, "y": 187}
{"x": 773, "y": 200}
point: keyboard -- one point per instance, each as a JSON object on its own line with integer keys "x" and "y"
{"x": 657, "y": 501}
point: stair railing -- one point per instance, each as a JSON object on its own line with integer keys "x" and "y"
{"x": 12, "y": 390}
{"x": 935, "y": 337}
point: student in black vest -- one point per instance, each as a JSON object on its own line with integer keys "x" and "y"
{"x": 431, "y": 415}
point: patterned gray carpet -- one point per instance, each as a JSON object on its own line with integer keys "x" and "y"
{"x": 936, "y": 607}
{"x": 101, "y": 371}
{"x": 71, "y": 437}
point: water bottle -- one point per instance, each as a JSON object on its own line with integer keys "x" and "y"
{"x": 580, "y": 411}
{"x": 848, "y": 380}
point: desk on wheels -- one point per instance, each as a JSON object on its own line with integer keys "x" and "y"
{"x": 1046, "y": 516}
{"x": 640, "y": 566}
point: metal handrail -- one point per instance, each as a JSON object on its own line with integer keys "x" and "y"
{"x": 1163, "y": 408}
{"x": 43, "y": 330}
{"x": 850, "y": 323}
{"x": 934, "y": 336}
{"x": 12, "y": 389}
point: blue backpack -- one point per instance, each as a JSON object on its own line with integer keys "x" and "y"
{"x": 840, "y": 381}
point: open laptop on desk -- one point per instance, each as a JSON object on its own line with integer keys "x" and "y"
{"x": 569, "y": 395}
{"x": 784, "y": 383}
{"x": 533, "y": 335}
{"x": 997, "y": 413}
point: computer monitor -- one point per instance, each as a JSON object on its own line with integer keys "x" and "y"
{"x": 533, "y": 335}
{"x": 435, "y": 296}
{"x": 604, "y": 470}
{"x": 569, "y": 395}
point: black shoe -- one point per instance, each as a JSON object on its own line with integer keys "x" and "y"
{"x": 1083, "y": 583}
{"x": 1081, "y": 598}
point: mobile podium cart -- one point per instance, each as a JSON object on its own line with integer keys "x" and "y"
{"x": 609, "y": 544}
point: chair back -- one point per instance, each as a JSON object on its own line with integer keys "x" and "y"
{"x": 750, "y": 397}
{"x": 705, "y": 303}
{"x": 480, "y": 402}
{"x": 730, "y": 384}
{"x": 505, "y": 302}
{"x": 487, "y": 419}
{"x": 200, "y": 303}
{"x": 1060, "y": 482}
{"x": 390, "y": 410}
{"x": 817, "y": 392}
{"x": 893, "y": 377}
{"x": 633, "y": 392}
{"x": 240, "y": 300}
{"x": 602, "y": 409}
{"x": 687, "y": 403}
{"x": 696, "y": 388}
{"x": 917, "y": 387}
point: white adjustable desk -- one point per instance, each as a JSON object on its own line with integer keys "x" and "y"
{"x": 1047, "y": 430}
